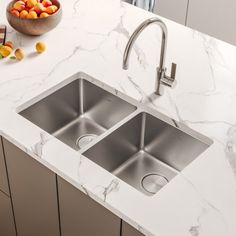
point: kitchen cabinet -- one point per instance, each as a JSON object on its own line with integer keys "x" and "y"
{"x": 7, "y": 226}
{"x": 81, "y": 215}
{"x": 173, "y": 10}
{"x": 3, "y": 173}
{"x": 214, "y": 17}
{"x": 128, "y": 230}
{"x": 33, "y": 192}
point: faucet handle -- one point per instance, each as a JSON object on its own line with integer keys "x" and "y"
{"x": 173, "y": 70}
{"x": 170, "y": 81}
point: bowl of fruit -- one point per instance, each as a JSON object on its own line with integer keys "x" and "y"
{"x": 34, "y": 17}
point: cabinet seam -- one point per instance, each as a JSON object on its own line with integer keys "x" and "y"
{"x": 121, "y": 225}
{"x": 58, "y": 205}
{"x": 186, "y": 15}
{"x": 4, "y": 157}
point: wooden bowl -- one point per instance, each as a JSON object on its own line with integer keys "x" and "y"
{"x": 37, "y": 26}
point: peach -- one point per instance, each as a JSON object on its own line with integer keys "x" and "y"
{"x": 19, "y": 54}
{"x": 24, "y": 14}
{"x": 32, "y": 15}
{"x": 40, "y": 47}
{"x": 39, "y": 8}
{"x": 5, "y": 51}
{"x": 52, "y": 9}
{"x": 31, "y": 3}
{"x": 9, "y": 44}
{"x": 14, "y": 12}
{"x": 19, "y": 5}
{"x": 47, "y": 3}
{"x": 44, "y": 15}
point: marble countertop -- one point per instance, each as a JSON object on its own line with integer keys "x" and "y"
{"x": 91, "y": 38}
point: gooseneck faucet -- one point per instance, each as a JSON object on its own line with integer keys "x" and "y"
{"x": 162, "y": 78}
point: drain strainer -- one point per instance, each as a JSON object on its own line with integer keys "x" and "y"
{"x": 152, "y": 183}
{"x": 85, "y": 139}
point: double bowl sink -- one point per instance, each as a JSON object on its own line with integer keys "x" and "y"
{"x": 135, "y": 143}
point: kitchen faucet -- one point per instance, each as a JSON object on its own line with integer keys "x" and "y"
{"x": 162, "y": 78}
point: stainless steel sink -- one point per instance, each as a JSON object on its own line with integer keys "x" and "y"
{"x": 146, "y": 152}
{"x": 78, "y": 112}
{"x": 144, "y": 148}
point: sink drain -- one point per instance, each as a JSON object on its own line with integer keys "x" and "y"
{"x": 152, "y": 183}
{"x": 85, "y": 139}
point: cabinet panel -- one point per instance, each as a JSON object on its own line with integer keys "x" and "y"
{"x": 7, "y": 226}
{"x": 34, "y": 194}
{"x": 3, "y": 173}
{"x": 173, "y": 10}
{"x": 214, "y": 17}
{"x": 128, "y": 230}
{"x": 80, "y": 215}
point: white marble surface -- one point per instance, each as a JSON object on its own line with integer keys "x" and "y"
{"x": 201, "y": 201}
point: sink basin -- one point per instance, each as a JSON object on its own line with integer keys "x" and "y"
{"x": 78, "y": 112}
{"x": 146, "y": 152}
{"x": 144, "y": 148}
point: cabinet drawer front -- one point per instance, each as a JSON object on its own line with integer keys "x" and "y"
{"x": 7, "y": 226}
{"x": 128, "y": 230}
{"x": 81, "y": 215}
{"x": 3, "y": 173}
{"x": 173, "y": 10}
{"x": 216, "y": 18}
{"x": 34, "y": 194}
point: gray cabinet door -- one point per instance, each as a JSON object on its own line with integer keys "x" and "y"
{"x": 3, "y": 173}
{"x": 82, "y": 216}
{"x": 214, "y": 17}
{"x": 128, "y": 230}
{"x": 173, "y": 10}
{"x": 7, "y": 226}
{"x": 34, "y": 194}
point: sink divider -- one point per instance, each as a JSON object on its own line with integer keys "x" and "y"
{"x": 111, "y": 130}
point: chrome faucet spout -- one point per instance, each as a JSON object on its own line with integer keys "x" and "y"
{"x": 161, "y": 70}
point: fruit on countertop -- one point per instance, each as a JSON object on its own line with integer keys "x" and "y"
{"x": 40, "y": 47}
{"x": 5, "y": 51}
{"x": 40, "y": 9}
{"x": 9, "y": 44}
{"x": 19, "y": 54}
